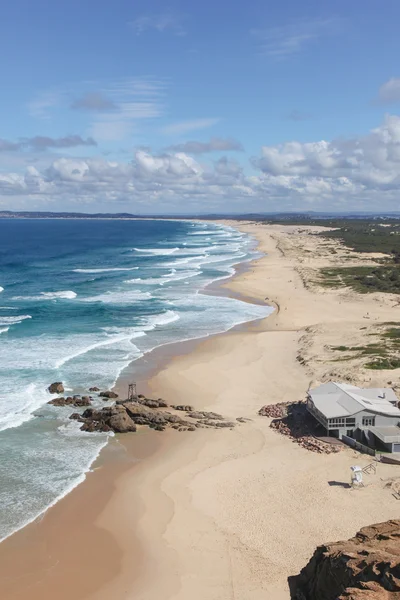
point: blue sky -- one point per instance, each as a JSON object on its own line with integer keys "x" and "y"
{"x": 221, "y": 106}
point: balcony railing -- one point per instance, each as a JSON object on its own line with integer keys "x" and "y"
{"x": 317, "y": 414}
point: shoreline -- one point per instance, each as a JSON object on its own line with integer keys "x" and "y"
{"x": 144, "y": 364}
{"x": 219, "y": 514}
{"x": 149, "y": 444}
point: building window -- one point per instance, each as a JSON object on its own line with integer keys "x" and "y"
{"x": 350, "y": 421}
{"x": 368, "y": 421}
{"x": 339, "y": 422}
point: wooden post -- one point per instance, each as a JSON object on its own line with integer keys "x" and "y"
{"x": 132, "y": 391}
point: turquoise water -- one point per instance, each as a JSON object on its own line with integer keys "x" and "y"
{"x": 81, "y": 300}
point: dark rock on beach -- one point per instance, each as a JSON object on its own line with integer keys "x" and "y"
{"x": 152, "y": 403}
{"x": 123, "y": 418}
{"x": 108, "y": 395}
{"x": 60, "y": 402}
{"x": 142, "y": 415}
{"x": 113, "y": 418}
{"x": 76, "y": 417}
{"x": 205, "y": 415}
{"x": 120, "y": 422}
{"x": 149, "y": 402}
{"x": 77, "y": 401}
{"x": 125, "y": 415}
{"x": 56, "y": 388}
{"x": 84, "y": 401}
{"x": 94, "y": 389}
{"x": 94, "y": 426}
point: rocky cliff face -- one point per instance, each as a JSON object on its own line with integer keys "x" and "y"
{"x": 366, "y": 567}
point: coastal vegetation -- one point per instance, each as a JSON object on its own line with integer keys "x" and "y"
{"x": 370, "y": 235}
{"x": 363, "y": 279}
{"x": 376, "y": 236}
{"x": 378, "y": 355}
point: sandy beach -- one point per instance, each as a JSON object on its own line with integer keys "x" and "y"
{"x": 226, "y": 514}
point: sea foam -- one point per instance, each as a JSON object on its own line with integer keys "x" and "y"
{"x": 100, "y": 344}
{"x": 13, "y": 320}
{"x": 156, "y": 251}
{"x": 89, "y": 335}
{"x": 63, "y": 295}
{"x": 119, "y": 297}
{"x": 105, "y": 270}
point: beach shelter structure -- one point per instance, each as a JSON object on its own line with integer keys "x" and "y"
{"x": 347, "y": 410}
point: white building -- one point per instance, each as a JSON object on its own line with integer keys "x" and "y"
{"x": 369, "y": 415}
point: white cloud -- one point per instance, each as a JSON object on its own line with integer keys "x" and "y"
{"x": 360, "y": 166}
{"x": 178, "y": 165}
{"x": 283, "y": 42}
{"x": 8, "y": 146}
{"x": 187, "y": 126}
{"x": 360, "y": 173}
{"x": 160, "y": 22}
{"x": 41, "y": 142}
{"x": 134, "y": 100}
{"x": 93, "y": 101}
{"x": 177, "y": 179}
{"x": 372, "y": 158}
{"x": 40, "y": 106}
{"x": 214, "y": 145}
{"x": 389, "y": 92}
{"x": 112, "y": 108}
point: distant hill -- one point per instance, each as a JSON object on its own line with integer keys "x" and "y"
{"x": 293, "y": 217}
{"x": 9, "y": 214}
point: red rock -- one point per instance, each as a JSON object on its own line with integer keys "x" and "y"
{"x": 365, "y": 567}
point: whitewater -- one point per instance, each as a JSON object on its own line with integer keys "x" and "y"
{"x": 82, "y": 301}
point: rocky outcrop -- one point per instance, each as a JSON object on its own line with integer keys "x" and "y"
{"x": 152, "y": 403}
{"x": 294, "y": 421}
{"x": 108, "y": 395}
{"x": 125, "y": 415}
{"x": 365, "y": 567}
{"x": 56, "y": 388}
{"x": 183, "y": 407}
{"x": 205, "y": 415}
{"x": 112, "y": 418}
{"x": 94, "y": 389}
{"x": 274, "y": 411}
{"x": 77, "y": 401}
{"x": 156, "y": 419}
{"x": 120, "y": 422}
{"x": 149, "y": 402}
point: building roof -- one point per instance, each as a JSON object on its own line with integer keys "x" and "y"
{"x": 387, "y": 434}
{"x": 343, "y": 400}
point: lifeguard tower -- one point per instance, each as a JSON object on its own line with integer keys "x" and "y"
{"x": 356, "y": 477}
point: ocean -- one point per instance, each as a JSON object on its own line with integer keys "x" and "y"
{"x": 79, "y": 301}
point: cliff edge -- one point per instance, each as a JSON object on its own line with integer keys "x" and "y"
{"x": 365, "y": 567}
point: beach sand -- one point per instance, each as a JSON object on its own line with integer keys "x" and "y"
{"x": 222, "y": 514}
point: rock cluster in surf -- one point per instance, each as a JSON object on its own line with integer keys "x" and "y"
{"x": 126, "y": 415}
{"x": 56, "y": 388}
{"x": 72, "y": 401}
